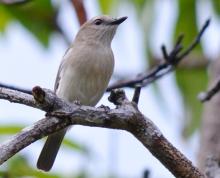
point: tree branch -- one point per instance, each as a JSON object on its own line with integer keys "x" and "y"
{"x": 206, "y": 96}
{"x": 80, "y": 11}
{"x": 171, "y": 60}
{"x": 136, "y": 95}
{"x": 23, "y": 90}
{"x": 126, "y": 116}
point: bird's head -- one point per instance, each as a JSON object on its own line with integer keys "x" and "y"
{"x": 101, "y": 28}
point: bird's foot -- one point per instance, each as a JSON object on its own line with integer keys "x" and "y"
{"x": 106, "y": 108}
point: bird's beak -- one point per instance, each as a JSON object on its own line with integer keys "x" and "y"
{"x": 118, "y": 21}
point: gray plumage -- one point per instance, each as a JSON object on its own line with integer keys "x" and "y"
{"x": 83, "y": 75}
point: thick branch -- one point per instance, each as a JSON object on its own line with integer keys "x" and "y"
{"x": 126, "y": 117}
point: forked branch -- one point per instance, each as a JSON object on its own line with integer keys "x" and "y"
{"x": 126, "y": 116}
{"x": 171, "y": 60}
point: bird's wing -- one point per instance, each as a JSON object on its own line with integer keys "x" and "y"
{"x": 57, "y": 81}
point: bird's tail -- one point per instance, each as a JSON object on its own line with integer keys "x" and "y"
{"x": 50, "y": 150}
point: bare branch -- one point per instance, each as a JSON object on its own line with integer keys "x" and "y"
{"x": 206, "y": 96}
{"x": 80, "y": 11}
{"x": 196, "y": 41}
{"x": 125, "y": 117}
{"x": 16, "y": 96}
{"x": 171, "y": 61}
{"x": 136, "y": 95}
{"x": 23, "y": 90}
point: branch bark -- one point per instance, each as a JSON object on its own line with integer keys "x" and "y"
{"x": 126, "y": 116}
{"x": 206, "y": 96}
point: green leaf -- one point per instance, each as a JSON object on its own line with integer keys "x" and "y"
{"x": 38, "y": 17}
{"x": 191, "y": 82}
{"x": 216, "y": 6}
{"x": 10, "y": 129}
{"x": 186, "y": 22}
{"x": 5, "y": 18}
{"x": 107, "y": 6}
{"x": 18, "y": 166}
{"x": 139, "y": 4}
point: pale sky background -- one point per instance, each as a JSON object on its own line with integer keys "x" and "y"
{"x": 25, "y": 63}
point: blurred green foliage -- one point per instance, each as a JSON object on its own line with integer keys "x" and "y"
{"x": 186, "y": 22}
{"x": 39, "y": 17}
{"x": 191, "y": 82}
{"x": 10, "y": 129}
{"x": 187, "y": 79}
{"x": 216, "y": 6}
{"x": 107, "y": 6}
{"x": 19, "y": 167}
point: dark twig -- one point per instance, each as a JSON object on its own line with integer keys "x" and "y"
{"x": 136, "y": 95}
{"x": 171, "y": 61}
{"x": 179, "y": 39}
{"x": 206, "y": 96}
{"x": 150, "y": 80}
{"x": 164, "y": 51}
{"x": 146, "y": 173}
{"x": 196, "y": 41}
{"x": 144, "y": 79}
{"x": 15, "y": 88}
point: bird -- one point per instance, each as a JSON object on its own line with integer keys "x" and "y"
{"x": 83, "y": 74}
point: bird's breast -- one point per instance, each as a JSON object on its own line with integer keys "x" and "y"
{"x": 86, "y": 76}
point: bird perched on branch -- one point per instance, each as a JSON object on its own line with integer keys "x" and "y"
{"x": 83, "y": 75}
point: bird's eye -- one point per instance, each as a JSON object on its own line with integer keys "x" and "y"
{"x": 98, "y": 22}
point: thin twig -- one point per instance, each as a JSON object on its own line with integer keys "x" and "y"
{"x": 15, "y": 88}
{"x": 179, "y": 39}
{"x": 164, "y": 52}
{"x": 196, "y": 41}
{"x": 136, "y": 95}
{"x": 171, "y": 59}
{"x": 206, "y": 96}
